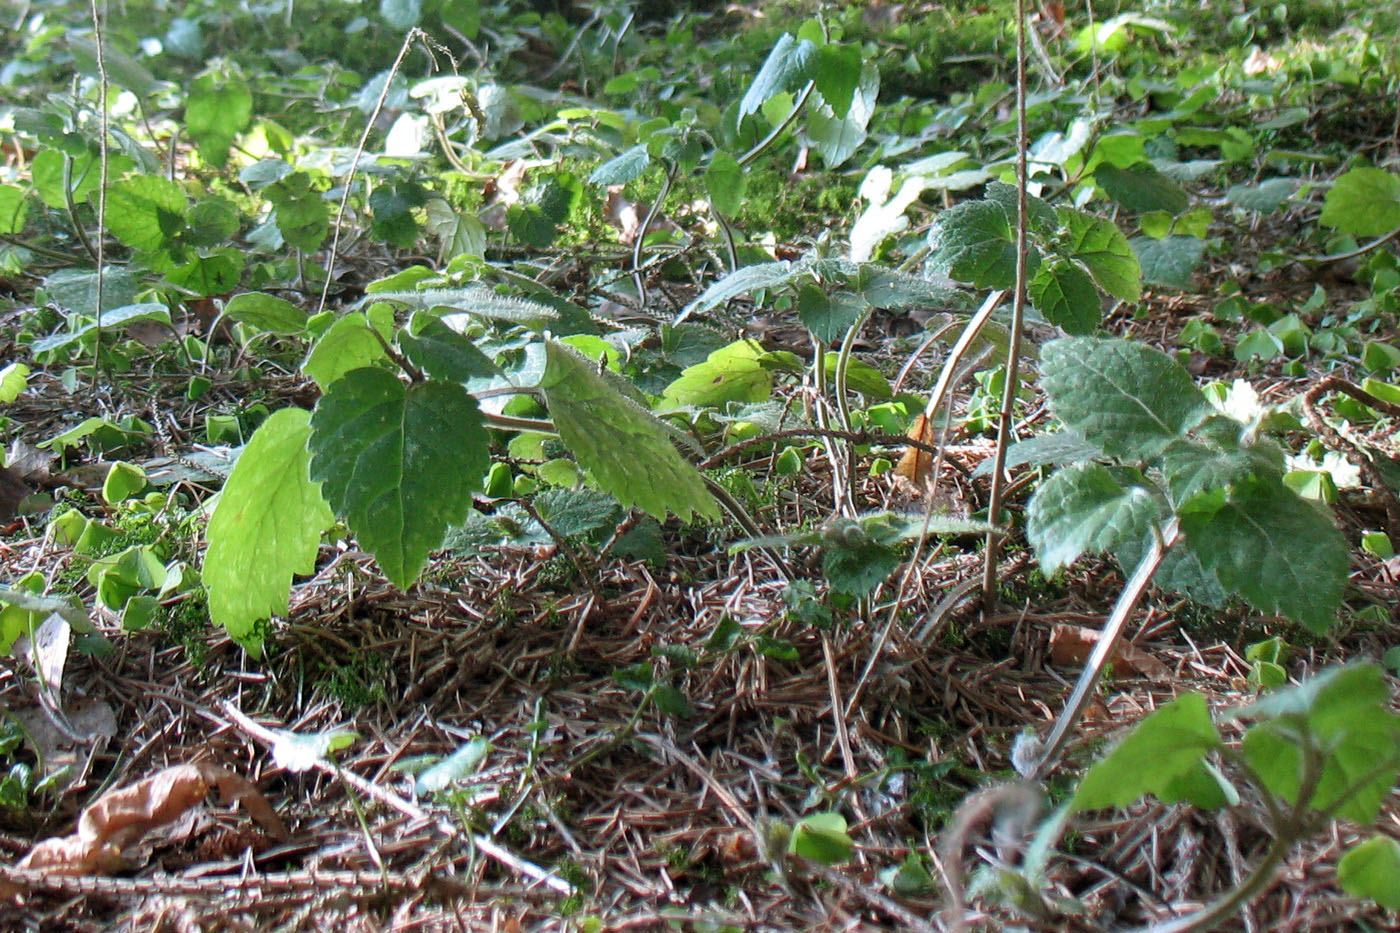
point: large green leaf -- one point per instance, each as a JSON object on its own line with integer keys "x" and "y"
{"x": 623, "y": 446}
{"x": 13, "y": 208}
{"x": 1085, "y": 509}
{"x": 1101, "y": 246}
{"x": 1280, "y": 552}
{"x": 347, "y": 344}
{"x": 1129, "y": 399}
{"x": 1141, "y": 188}
{"x": 266, "y": 527}
{"x": 217, "y": 109}
{"x": 399, "y": 462}
{"x": 975, "y": 242}
{"x": 1065, "y": 294}
{"x": 1163, "y": 749}
{"x": 789, "y": 65}
{"x": 1363, "y": 202}
{"x": 1372, "y": 869}
{"x": 837, "y": 74}
{"x": 1195, "y": 466}
{"x": 146, "y": 212}
{"x": 443, "y": 353}
{"x": 729, "y": 374}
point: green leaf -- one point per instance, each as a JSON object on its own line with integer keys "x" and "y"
{"x": 120, "y": 68}
{"x": 1168, "y": 261}
{"x": 1141, "y": 188}
{"x": 1363, "y": 202}
{"x": 1085, "y": 509}
{"x": 459, "y": 765}
{"x": 856, "y": 571}
{"x": 303, "y": 216}
{"x": 1220, "y": 462}
{"x": 1280, "y": 552}
{"x": 212, "y": 222}
{"x": 14, "y": 379}
{"x": 401, "y": 14}
{"x": 347, "y": 344}
{"x": 1127, "y": 398}
{"x": 69, "y": 608}
{"x": 398, "y": 462}
{"x": 789, "y": 66}
{"x": 146, "y": 212}
{"x": 443, "y": 353}
{"x": 621, "y": 168}
{"x": 1372, "y": 869}
{"x": 1265, "y": 197}
{"x": 975, "y": 242}
{"x": 837, "y": 73}
{"x": 393, "y": 207}
{"x": 1101, "y": 246}
{"x": 114, "y": 319}
{"x": 729, "y": 374}
{"x": 745, "y": 280}
{"x": 1162, "y": 749}
{"x": 836, "y": 135}
{"x": 822, "y": 837}
{"x": 625, "y": 448}
{"x": 214, "y": 274}
{"x": 1065, "y": 294}
{"x": 725, "y": 183}
{"x": 478, "y": 300}
{"x": 13, "y": 208}
{"x": 217, "y": 109}
{"x": 266, "y": 527}
{"x": 266, "y": 313}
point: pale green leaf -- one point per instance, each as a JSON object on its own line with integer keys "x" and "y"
{"x": 621, "y": 168}
{"x": 1372, "y": 869}
{"x": 1266, "y": 197}
{"x": 217, "y": 109}
{"x": 13, "y": 209}
{"x": 347, "y": 344}
{"x": 730, "y": 374}
{"x": 1162, "y": 749}
{"x": 478, "y": 300}
{"x": 146, "y": 212}
{"x": 823, "y": 838}
{"x": 625, "y": 449}
{"x": 725, "y": 182}
{"x": 14, "y": 379}
{"x": 789, "y": 66}
{"x": 742, "y": 281}
{"x": 1129, "y": 399}
{"x": 1363, "y": 202}
{"x": 399, "y": 462}
{"x": 266, "y": 527}
{"x": 266, "y": 313}
{"x": 836, "y": 136}
{"x": 1169, "y": 261}
{"x": 460, "y": 764}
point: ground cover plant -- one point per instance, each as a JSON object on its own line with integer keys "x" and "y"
{"x": 603, "y": 465}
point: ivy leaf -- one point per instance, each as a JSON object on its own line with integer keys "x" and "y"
{"x": 444, "y": 354}
{"x": 1372, "y": 869}
{"x": 1065, "y": 294}
{"x": 789, "y": 65}
{"x": 1169, "y": 261}
{"x": 975, "y": 242}
{"x": 1101, "y": 246}
{"x": 1085, "y": 509}
{"x": 398, "y": 462}
{"x": 1161, "y": 750}
{"x": 266, "y": 313}
{"x": 266, "y": 527}
{"x": 1129, "y": 399}
{"x": 1363, "y": 202}
{"x": 146, "y": 212}
{"x": 1141, "y": 188}
{"x": 624, "y": 447}
{"x": 1279, "y": 552}
{"x": 622, "y": 168}
{"x": 217, "y": 109}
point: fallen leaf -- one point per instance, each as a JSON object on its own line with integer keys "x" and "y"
{"x": 1072, "y": 644}
{"x": 915, "y": 465}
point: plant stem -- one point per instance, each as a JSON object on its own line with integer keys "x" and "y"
{"x": 1018, "y": 313}
{"x": 763, "y": 144}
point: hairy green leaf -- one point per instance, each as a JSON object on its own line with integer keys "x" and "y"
{"x": 1085, "y": 509}
{"x": 742, "y": 281}
{"x": 975, "y": 242}
{"x": 1280, "y": 552}
{"x": 398, "y": 462}
{"x": 1162, "y": 749}
{"x": 621, "y": 168}
{"x": 624, "y": 447}
{"x": 266, "y": 527}
{"x": 1363, "y": 202}
{"x": 1101, "y": 246}
{"x": 1266, "y": 197}
{"x": 478, "y": 300}
{"x": 1129, "y": 399}
{"x": 1065, "y": 294}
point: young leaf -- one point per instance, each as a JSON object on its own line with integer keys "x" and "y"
{"x": 1129, "y": 399}
{"x": 1363, "y": 202}
{"x": 627, "y": 451}
{"x": 1084, "y": 509}
{"x": 1372, "y": 869}
{"x": 1164, "y": 748}
{"x": 1101, "y": 246}
{"x": 1195, "y": 466}
{"x": 729, "y": 374}
{"x": 347, "y": 344}
{"x": 399, "y": 462}
{"x": 266, "y": 527}
{"x": 789, "y": 65}
{"x": 1279, "y": 552}
{"x": 1170, "y": 261}
{"x": 1065, "y": 294}
{"x": 216, "y": 110}
{"x": 822, "y": 837}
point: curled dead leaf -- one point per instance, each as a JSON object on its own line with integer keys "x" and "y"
{"x": 122, "y": 816}
{"x": 1072, "y": 644}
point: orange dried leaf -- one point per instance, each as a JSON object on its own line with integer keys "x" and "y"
{"x": 915, "y": 465}
{"x": 1072, "y": 644}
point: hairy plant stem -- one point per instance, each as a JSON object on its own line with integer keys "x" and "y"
{"x": 843, "y": 406}
{"x": 1018, "y": 313}
{"x": 763, "y": 144}
{"x": 639, "y": 277}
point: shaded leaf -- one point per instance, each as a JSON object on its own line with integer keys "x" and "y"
{"x": 1084, "y": 509}
{"x": 1141, "y": 188}
{"x": 1364, "y": 202}
{"x": 1161, "y": 749}
{"x": 1065, "y": 294}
